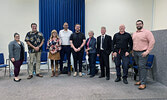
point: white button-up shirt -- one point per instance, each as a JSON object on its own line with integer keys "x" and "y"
{"x": 65, "y": 36}
{"x": 101, "y": 42}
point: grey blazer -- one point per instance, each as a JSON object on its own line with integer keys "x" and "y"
{"x": 14, "y": 50}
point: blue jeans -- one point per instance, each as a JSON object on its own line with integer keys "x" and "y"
{"x": 66, "y": 50}
{"x": 92, "y": 63}
{"x": 125, "y": 63}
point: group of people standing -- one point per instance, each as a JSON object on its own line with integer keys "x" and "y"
{"x": 140, "y": 43}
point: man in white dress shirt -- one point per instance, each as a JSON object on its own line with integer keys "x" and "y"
{"x": 64, "y": 35}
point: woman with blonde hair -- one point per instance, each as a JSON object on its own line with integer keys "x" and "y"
{"x": 54, "y": 46}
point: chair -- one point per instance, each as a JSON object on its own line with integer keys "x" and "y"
{"x": 44, "y": 58}
{"x": 149, "y": 64}
{"x": 25, "y": 59}
{"x": 3, "y": 65}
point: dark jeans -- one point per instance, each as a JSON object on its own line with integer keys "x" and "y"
{"x": 78, "y": 56}
{"x": 125, "y": 63}
{"x": 66, "y": 50}
{"x": 17, "y": 65}
{"x": 104, "y": 63}
{"x": 92, "y": 63}
{"x": 141, "y": 63}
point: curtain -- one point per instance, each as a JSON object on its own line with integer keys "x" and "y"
{"x": 53, "y": 14}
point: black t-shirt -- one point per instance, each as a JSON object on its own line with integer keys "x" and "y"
{"x": 77, "y": 39}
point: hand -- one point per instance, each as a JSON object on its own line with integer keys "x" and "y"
{"x": 87, "y": 53}
{"x": 12, "y": 59}
{"x": 98, "y": 55}
{"x": 36, "y": 48}
{"x": 127, "y": 54}
{"x": 76, "y": 50}
{"x": 144, "y": 54}
{"x": 115, "y": 54}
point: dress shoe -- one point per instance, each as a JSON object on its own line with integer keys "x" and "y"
{"x": 91, "y": 76}
{"x": 39, "y": 75}
{"x": 125, "y": 81}
{"x": 142, "y": 87}
{"x": 137, "y": 83}
{"x": 117, "y": 79}
{"x": 101, "y": 76}
{"x": 107, "y": 78}
{"x": 75, "y": 74}
{"x": 29, "y": 77}
{"x": 80, "y": 74}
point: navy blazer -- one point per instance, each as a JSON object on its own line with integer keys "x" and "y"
{"x": 92, "y": 45}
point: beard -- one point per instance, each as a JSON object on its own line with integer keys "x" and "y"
{"x": 139, "y": 28}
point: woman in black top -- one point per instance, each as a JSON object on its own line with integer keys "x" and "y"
{"x": 16, "y": 55}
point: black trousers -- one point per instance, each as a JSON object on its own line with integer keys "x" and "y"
{"x": 104, "y": 63}
{"x": 78, "y": 56}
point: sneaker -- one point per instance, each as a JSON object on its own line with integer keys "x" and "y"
{"x": 80, "y": 74}
{"x": 75, "y": 74}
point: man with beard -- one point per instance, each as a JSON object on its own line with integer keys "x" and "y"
{"x": 143, "y": 43}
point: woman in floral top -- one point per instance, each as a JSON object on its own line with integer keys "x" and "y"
{"x": 54, "y": 46}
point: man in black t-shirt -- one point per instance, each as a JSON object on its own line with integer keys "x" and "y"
{"x": 77, "y": 40}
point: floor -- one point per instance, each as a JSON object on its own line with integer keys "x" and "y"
{"x": 66, "y": 87}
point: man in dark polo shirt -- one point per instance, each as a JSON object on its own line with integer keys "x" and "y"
{"x": 122, "y": 45}
{"x": 77, "y": 40}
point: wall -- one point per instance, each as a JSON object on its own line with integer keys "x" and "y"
{"x": 160, "y": 14}
{"x": 160, "y": 52}
{"x": 112, "y": 13}
{"x": 16, "y": 16}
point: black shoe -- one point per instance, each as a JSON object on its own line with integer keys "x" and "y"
{"x": 117, "y": 79}
{"x": 17, "y": 80}
{"x": 125, "y": 81}
{"x": 107, "y": 78}
{"x": 101, "y": 76}
{"x": 91, "y": 76}
{"x": 29, "y": 77}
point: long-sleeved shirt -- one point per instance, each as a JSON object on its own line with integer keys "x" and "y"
{"x": 122, "y": 42}
{"x": 143, "y": 40}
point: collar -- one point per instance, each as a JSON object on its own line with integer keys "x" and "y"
{"x": 103, "y": 35}
{"x": 65, "y": 31}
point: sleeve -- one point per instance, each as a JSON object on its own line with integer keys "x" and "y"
{"x": 130, "y": 43}
{"x": 113, "y": 44}
{"x": 151, "y": 41}
{"x": 83, "y": 37}
{"x": 71, "y": 37}
{"x": 42, "y": 37}
{"x": 98, "y": 46}
{"x": 10, "y": 46}
{"x": 27, "y": 38}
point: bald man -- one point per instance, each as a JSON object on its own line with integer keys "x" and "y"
{"x": 122, "y": 45}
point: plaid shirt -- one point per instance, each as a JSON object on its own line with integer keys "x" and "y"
{"x": 35, "y": 39}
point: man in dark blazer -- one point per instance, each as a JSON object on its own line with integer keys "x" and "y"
{"x": 104, "y": 48}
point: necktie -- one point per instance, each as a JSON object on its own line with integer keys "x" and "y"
{"x": 103, "y": 42}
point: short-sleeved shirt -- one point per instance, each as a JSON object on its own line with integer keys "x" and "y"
{"x": 77, "y": 39}
{"x": 35, "y": 38}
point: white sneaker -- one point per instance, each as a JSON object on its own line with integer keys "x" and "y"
{"x": 80, "y": 74}
{"x": 75, "y": 74}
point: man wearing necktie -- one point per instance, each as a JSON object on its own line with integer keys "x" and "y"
{"x": 104, "y": 48}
